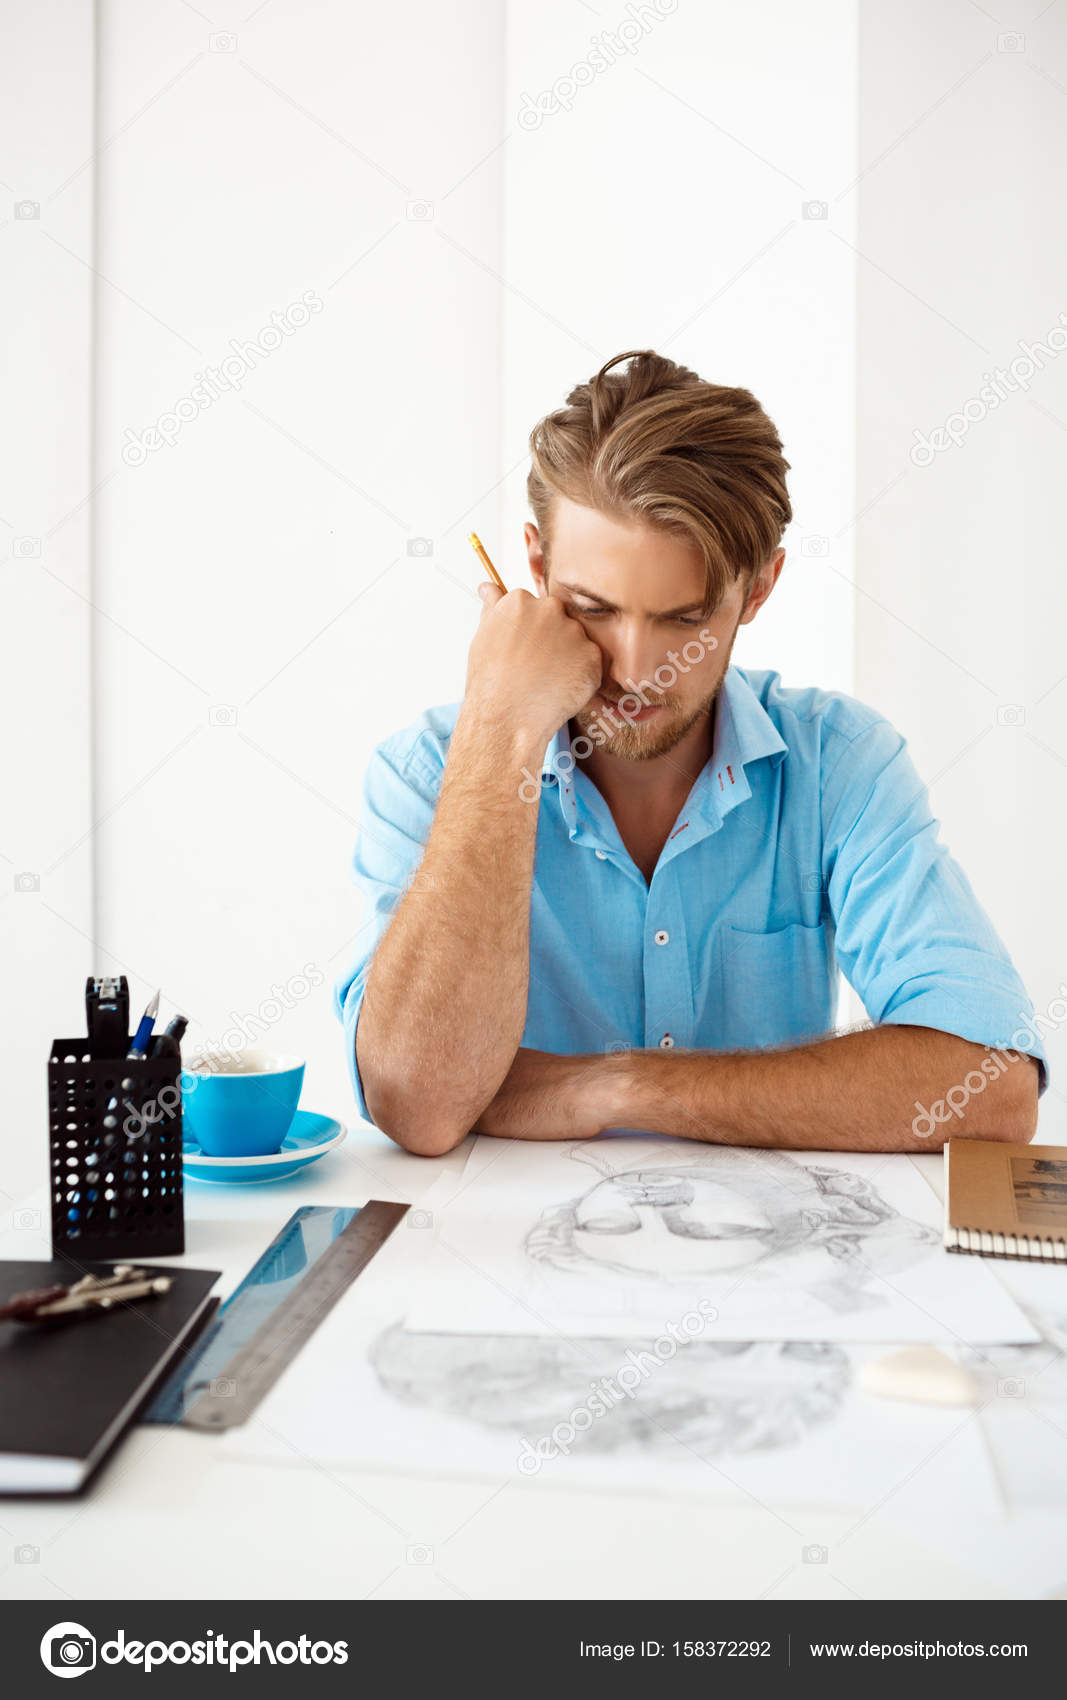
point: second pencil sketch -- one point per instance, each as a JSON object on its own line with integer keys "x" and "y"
{"x": 711, "y": 1397}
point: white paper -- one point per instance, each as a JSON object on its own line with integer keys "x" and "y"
{"x": 769, "y": 1424}
{"x": 630, "y": 1235}
{"x": 1024, "y": 1392}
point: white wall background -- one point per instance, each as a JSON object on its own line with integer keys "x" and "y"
{"x": 265, "y": 556}
{"x": 258, "y": 621}
{"x": 47, "y": 848}
{"x": 962, "y": 597}
{"x": 665, "y": 210}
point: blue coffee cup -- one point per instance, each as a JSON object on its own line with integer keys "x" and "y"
{"x": 240, "y": 1104}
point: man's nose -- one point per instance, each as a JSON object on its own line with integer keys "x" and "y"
{"x": 634, "y": 653}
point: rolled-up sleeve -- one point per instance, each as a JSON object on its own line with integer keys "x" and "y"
{"x": 910, "y": 933}
{"x": 399, "y": 798}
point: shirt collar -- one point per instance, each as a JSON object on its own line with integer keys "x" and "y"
{"x": 557, "y": 774}
{"x": 744, "y": 733}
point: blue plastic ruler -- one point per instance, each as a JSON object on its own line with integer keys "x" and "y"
{"x": 256, "y": 1334}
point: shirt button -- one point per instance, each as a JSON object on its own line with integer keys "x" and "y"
{"x": 661, "y": 937}
{"x": 666, "y": 1042}
{"x": 601, "y": 855}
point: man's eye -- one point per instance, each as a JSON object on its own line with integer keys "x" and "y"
{"x": 590, "y": 613}
{"x": 685, "y": 620}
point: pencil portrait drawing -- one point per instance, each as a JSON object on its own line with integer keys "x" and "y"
{"x": 731, "y": 1212}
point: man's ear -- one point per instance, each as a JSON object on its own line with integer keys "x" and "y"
{"x": 762, "y": 585}
{"x": 535, "y": 556}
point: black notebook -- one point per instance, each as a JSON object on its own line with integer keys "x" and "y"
{"x": 70, "y": 1387}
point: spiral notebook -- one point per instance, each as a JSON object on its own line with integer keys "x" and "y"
{"x": 1006, "y": 1200}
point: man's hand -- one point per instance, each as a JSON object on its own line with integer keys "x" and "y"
{"x": 530, "y": 665}
{"x": 545, "y": 1096}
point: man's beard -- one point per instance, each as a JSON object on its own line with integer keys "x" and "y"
{"x": 643, "y": 740}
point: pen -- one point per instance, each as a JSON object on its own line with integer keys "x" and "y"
{"x": 139, "y": 1048}
{"x": 479, "y": 549}
{"x": 168, "y": 1043}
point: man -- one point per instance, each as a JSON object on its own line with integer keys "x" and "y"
{"x": 612, "y": 887}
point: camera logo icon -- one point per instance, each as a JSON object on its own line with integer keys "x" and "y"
{"x": 1011, "y": 714}
{"x": 815, "y": 545}
{"x": 26, "y": 548}
{"x": 419, "y": 1219}
{"x": 814, "y": 1554}
{"x": 68, "y": 1649}
{"x": 420, "y": 546}
{"x": 420, "y": 1555}
{"x": 27, "y": 209}
{"x": 420, "y": 211}
{"x": 223, "y": 714}
{"x": 223, "y": 42}
{"x": 27, "y": 882}
{"x": 1011, "y": 42}
{"x": 1011, "y": 1388}
{"x": 815, "y": 209}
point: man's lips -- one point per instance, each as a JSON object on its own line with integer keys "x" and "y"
{"x": 629, "y": 708}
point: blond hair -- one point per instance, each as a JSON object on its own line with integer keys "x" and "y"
{"x": 657, "y": 444}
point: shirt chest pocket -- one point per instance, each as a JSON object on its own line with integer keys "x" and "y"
{"x": 776, "y": 988}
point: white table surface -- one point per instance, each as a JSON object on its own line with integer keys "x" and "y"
{"x": 167, "y": 1517}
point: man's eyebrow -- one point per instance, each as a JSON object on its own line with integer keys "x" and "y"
{"x": 590, "y": 595}
{"x": 697, "y": 607}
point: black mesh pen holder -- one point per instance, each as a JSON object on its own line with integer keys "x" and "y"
{"x": 115, "y": 1131}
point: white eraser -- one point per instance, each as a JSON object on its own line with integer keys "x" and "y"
{"x": 920, "y": 1373}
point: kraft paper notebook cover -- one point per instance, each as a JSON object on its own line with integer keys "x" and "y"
{"x": 70, "y": 1387}
{"x": 1005, "y": 1200}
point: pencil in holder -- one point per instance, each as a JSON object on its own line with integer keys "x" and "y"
{"x": 115, "y": 1133}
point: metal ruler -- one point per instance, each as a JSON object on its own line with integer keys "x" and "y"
{"x": 256, "y": 1334}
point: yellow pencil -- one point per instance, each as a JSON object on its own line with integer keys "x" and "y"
{"x": 479, "y": 549}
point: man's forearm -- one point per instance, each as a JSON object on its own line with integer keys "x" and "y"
{"x": 862, "y": 1091}
{"x": 853, "y": 1092}
{"x": 445, "y": 1003}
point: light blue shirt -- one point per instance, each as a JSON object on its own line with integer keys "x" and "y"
{"x": 805, "y": 845}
